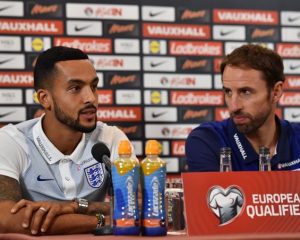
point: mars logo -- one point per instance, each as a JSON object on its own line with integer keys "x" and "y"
{"x": 226, "y": 204}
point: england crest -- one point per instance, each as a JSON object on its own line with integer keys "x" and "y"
{"x": 94, "y": 175}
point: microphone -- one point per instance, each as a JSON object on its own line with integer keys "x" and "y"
{"x": 102, "y": 154}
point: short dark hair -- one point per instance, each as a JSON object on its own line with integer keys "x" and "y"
{"x": 259, "y": 58}
{"x": 45, "y": 64}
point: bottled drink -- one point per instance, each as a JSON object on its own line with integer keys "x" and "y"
{"x": 264, "y": 159}
{"x": 153, "y": 179}
{"x": 225, "y": 159}
{"x": 125, "y": 176}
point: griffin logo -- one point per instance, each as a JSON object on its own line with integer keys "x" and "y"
{"x": 226, "y": 204}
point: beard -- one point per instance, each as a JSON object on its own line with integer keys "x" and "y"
{"x": 72, "y": 123}
{"x": 255, "y": 121}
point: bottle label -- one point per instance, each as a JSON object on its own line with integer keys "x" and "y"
{"x": 154, "y": 199}
{"x": 125, "y": 190}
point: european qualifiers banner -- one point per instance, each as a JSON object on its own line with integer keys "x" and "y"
{"x": 157, "y": 62}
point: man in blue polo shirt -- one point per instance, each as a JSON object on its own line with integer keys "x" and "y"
{"x": 252, "y": 79}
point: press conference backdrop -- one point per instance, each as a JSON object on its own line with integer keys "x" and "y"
{"x": 157, "y": 61}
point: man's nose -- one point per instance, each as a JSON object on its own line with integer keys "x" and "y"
{"x": 234, "y": 103}
{"x": 89, "y": 96}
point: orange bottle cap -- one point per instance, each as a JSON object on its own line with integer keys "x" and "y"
{"x": 124, "y": 147}
{"x": 153, "y": 147}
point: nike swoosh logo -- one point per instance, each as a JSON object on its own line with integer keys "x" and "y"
{"x": 294, "y": 115}
{"x": 4, "y": 8}
{"x": 156, "y": 64}
{"x": 225, "y": 33}
{"x": 293, "y": 67}
{"x": 5, "y": 61}
{"x": 156, "y": 115}
{"x": 154, "y": 14}
{"x": 39, "y": 178}
{"x": 79, "y": 29}
{"x": 6, "y": 114}
{"x": 293, "y": 19}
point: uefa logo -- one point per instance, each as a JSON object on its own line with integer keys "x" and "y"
{"x": 226, "y": 204}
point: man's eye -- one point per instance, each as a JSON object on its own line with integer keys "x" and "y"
{"x": 227, "y": 92}
{"x": 246, "y": 92}
{"x": 74, "y": 88}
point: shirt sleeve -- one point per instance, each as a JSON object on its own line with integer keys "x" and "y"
{"x": 202, "y": 151}
{"x": 12, "y": 157}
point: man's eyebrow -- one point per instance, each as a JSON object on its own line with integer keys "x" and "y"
{"x": 80, "y": 81}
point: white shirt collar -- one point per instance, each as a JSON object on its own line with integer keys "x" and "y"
{"x": 49, "y": 152}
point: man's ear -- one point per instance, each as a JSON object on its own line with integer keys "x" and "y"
{"x": 44, "y": 98}
{"x": 277, "y": 91}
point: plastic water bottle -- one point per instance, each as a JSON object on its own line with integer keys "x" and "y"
{"x": 153, "y": 184}
{"x": 225, "y": 159}
{"x": 264, "y": 159}
{"x": 125, "y": 176}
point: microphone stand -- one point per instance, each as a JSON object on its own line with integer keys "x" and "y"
{"x": 108, "y": 229}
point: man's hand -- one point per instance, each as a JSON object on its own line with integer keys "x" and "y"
{"x": 40, "y": 215}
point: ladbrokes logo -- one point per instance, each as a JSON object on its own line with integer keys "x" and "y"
{"x": 111, "y": 114}
{"x": 176, "y": 31}
{"x": 16, "y": 79}
{"x": 288, "y": 50}
{"x": 290, "y": 99}
{"x": 245, "y": 16}
{"x": 88, "y": 45}
{"x": 226, "y": 204}
{"x": 25, "y": 26}
{"x": 195, "y": 48}
{"x": 213, "y": 98}
{"x": 178, "y": 148}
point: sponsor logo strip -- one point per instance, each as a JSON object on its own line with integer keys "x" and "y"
{"x": 88, "y": 45}
{"x": 186, "y": 31}
{"x": 196, "y": 48}
{"x": 168, "y": 131}
{"x": 290, "y": 99}
{"x": 102, "y": 11}
{"x": 288, "y": 50}
{"x": 16, "y": 79}
{"x": 26, "y": 26}
{"x": 122, "y": 114}
{"x": 240, "y": 16}
{"x": 186, "y": 81}
{"x": 116, "y": 63}
{"x": 210, "y": 98}
{"x": 178, "y": 148}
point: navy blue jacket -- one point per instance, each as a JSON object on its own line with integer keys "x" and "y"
{"x": 204, "y": 142}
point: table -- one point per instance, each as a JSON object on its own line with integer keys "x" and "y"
{"x": 281, "y": 236}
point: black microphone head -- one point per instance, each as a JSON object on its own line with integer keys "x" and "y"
{"x": 99, "y": 150}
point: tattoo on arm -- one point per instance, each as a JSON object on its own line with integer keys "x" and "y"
{"x": 9, "y": 189}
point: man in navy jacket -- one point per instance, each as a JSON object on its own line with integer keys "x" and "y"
{"x": 253, "y": 80}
